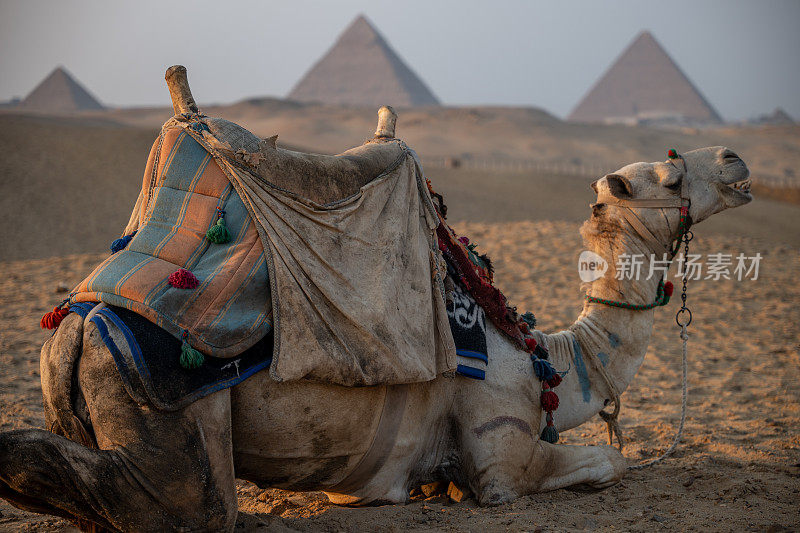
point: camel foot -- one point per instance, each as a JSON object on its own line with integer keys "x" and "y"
{"x": 592, "y": 467}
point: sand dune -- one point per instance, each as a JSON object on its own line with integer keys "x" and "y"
{"x": 499, "y": 133}
{"x": 67, "y": 184}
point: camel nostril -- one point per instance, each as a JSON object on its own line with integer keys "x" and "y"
{"x": 730, "y": 157}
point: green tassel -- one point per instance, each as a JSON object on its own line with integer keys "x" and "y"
{"x": 190, "y": 358}
{"x": 218, "y": 233}
{"x": 550, "y": 434}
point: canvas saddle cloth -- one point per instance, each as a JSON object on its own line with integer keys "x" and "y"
{"x": 352, "y": 288}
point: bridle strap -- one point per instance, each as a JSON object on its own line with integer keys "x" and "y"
{"x": 654, "y": 203}
{"x": 651, "y": 240}
{"x": 644, "y": 202}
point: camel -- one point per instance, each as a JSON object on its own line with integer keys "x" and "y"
{"x": 140, "y": 469}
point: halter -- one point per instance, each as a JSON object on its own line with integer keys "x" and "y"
{"x": 681, "y": 203}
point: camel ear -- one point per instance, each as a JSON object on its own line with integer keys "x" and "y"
{"x": 614, "y": 185}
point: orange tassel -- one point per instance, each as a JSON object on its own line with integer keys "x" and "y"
{"x": 53, "y": 319}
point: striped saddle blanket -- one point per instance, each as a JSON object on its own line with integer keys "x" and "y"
{"x": 228, "y": 307}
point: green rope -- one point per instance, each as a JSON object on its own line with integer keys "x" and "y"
{"x": 661, "y": 300}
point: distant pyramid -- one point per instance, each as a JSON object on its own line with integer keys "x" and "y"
{"x": 644, "y": 83}
{"x": 57, "y": 93}
{"x": 361, "y": 69}
{"x": 779, "y": 117}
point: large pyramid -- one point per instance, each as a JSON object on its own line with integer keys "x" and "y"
{"x": 361, "y": 69}
{"x": 58, "y": 93}
{"x": 644, "y": 84}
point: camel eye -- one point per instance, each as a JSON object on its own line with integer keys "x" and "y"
{"x": 675, "y": 186}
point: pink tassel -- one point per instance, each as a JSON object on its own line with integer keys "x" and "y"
{"x": 183, "y": 279}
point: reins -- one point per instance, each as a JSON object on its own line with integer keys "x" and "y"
{"x": 684, "y": 315}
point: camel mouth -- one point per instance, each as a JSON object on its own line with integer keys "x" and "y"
{"x": 739, "y": 192}
{"x": 742, "y": 186}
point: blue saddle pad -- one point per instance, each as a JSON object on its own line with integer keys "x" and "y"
{"x": 150, "y": 367}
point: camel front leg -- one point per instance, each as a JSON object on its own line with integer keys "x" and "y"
{"x": 561, "y": 465}
{"x": 154, "y": 471}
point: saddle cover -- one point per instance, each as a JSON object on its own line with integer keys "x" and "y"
{"x": 352, "y": 290}
{"x": 230, "y": 309}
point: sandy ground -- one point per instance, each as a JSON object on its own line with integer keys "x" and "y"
{"x": 738, "y": 468}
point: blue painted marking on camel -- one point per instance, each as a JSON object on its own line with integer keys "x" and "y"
{"x": 603, "y": 357}
{"x": 614, "y": 340}
{"x": 583, "y": 375}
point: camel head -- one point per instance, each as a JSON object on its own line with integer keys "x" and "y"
{"x": 713, "y": 179}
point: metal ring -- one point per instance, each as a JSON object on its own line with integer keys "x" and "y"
{"x": 678, "y": 316}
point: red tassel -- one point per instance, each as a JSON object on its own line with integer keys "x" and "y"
{"x": 53, "y": 319}
{"x": 668, "y": 288}
{"x": 549, "y": 401}
{"x": 183, "y": 279}
{"x": 523, "y": 327}
{"x": 554, "y": 382}
{"x": 530, "y": 342}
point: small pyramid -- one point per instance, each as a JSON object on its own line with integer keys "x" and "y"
{"x": 58, "y": 93}
{"x": 779, "y": 117}
{"x": 644, "y": 83}
{"x": 361, "y": 69}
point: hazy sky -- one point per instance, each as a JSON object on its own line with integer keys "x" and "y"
{"x": 744, "y": 56}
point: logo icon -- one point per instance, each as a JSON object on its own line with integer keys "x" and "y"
{"x": 591, "y": 266}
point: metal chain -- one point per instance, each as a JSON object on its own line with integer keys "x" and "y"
{"x": 687, "y": 316}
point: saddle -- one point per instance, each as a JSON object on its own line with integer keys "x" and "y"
{"x": 233, "y": 237}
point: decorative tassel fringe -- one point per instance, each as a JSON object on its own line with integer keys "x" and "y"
{"x": 549, "y": 400}
{"x": 53, "y": 319}
{"x": 543, "y": 369}
{"x": 550, "y": 433}
{"x": 218, "y": 233}
{"x": 190, "y": 358}
{"x": 529, "y": 319}
{"x": 183, "y": 279}
{"x": 555, "y": 381}
{"x": 668, "y": 289}
{"x": 121, "y": 243}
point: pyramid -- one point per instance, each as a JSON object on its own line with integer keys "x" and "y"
{"x": 644, "y": 83}
{"x": 779, "y": 117}
{"x": 361, "y": 69}
{"x": 58, "y": 93}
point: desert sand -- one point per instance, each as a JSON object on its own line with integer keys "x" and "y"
{"x": 738, "y": 467}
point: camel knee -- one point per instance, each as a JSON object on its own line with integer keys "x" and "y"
{"x": 25, "y": 459}
{"x": 44, "y": 472}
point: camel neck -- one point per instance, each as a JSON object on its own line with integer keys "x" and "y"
{"x": 613, "y": 337}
